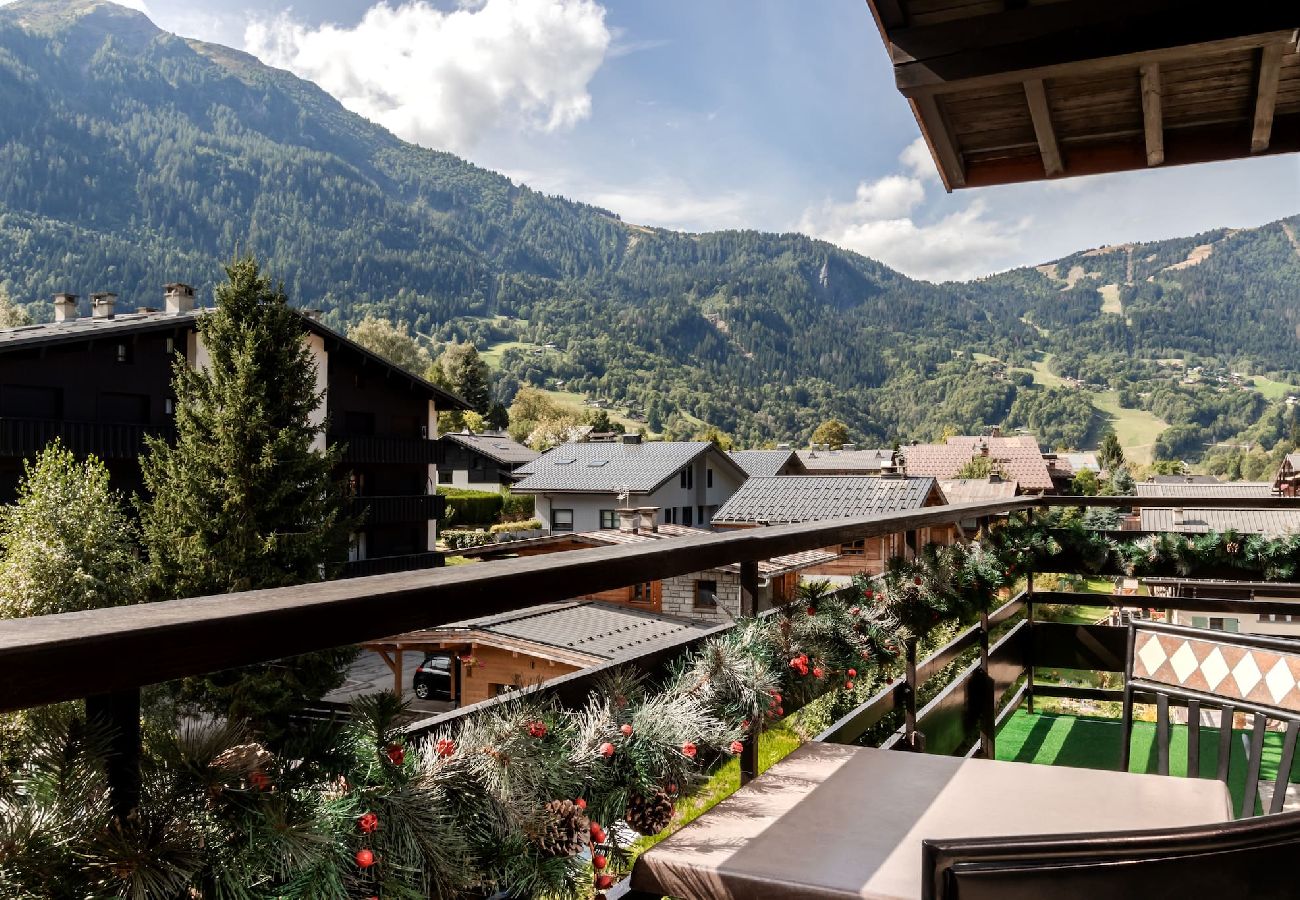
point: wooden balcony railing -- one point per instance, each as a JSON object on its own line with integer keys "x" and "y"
{"x": 373, "y": 448}
{"x": 107, "y": 440}
{"x": 389, "y": 509}
{"x": 388, "y": 565}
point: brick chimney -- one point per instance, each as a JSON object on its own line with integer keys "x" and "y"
{"x": 65, "y": 307}
{"x": 627, "y": 520}
{"x": 178, "y": 297}
{"x": 649, "y": 518}
{"x": 101, "y": 304}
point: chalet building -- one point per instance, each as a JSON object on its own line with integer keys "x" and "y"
{"x": 1082, "y": 461}
{"x": 711, "y": 595}
{"x": 1287, "y": 479}
{"x": 976, "y": 490}
{"x": 847, "y": 460}
{"x": 815, "y": 498}
{"x": 480, "y": 461}
{"x": 1280, "y": 624}
{"x": 492, "y": 655}
{"x": 768, "y": 462}
{"x": 102, "y": 382}
{"x": 1016, "y": 458}
{"x": 580, "y": 487}
{"x": 1179, "y": 520}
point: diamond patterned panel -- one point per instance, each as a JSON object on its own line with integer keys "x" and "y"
{"x": 1266, "y": 677}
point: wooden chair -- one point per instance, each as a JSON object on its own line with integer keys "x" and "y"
{"x": 1203, "y": 669}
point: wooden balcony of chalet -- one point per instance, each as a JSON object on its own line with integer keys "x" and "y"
{"x": 957, "y": 706}
{"x": 23, "y": 438}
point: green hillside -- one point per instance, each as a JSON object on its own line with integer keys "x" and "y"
{"x": 130, "y": 157}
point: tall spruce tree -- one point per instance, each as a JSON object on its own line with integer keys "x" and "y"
{"x": 243, "y": 500}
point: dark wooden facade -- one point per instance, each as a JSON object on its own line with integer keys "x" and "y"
{"x": 102, "y": 384}
{"x": 1009, "y": 91}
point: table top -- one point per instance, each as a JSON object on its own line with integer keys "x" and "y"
{"x": 836, "y": 821}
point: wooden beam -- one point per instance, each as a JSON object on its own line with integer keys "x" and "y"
{"x": 1041, "y": 113}
{"x": 938, "y": 137}
{"x": 1270, "y": 68}
{"x": 1153, "y": 122}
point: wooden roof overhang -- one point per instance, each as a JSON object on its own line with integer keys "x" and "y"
{"x": 1009, "y": 91}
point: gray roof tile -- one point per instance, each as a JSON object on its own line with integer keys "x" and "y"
{"x": 600, "y": 629}
{"x": 812, "y": 498}
{"x": 763, "y": 462}
{"x": 863, "y": 461}
{"x": 494, "y": 446}
{"x": 612, "y": 467}
{"x": 1270, "y": 522}
{"x": 1204, "y": 489}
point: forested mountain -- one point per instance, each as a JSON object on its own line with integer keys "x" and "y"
{"x": 130, "y": 157}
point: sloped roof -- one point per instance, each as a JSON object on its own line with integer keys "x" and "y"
{"x": 494, "y": 446}
{"x": 598, "y": 629}
{"x": 602, "y": 468}
{"x": 970, "y": 490}
{"x": 1269, "y": 522}
{"x": 813, "y": 498}
{"x": 1202, "y": 489}
{"x": 1080, "y": 461}
{"x": 1019, "y": 457}
{"x": 1184, "y": 479}
{"x": 847, "y": 461}
{"x": 85, "y": 328}
{"x": 765, "y": 462}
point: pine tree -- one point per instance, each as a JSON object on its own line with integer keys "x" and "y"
{"x": 467, "y": 375}
{"x": 1111, "y": 454}
{"x": 68, "y": 542}
{"x": 243, "y": 500}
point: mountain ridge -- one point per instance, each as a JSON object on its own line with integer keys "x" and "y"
{"x": 135, "y": 157}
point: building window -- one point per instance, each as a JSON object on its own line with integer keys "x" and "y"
{"x": 171, "y": 346}
{"x": 123, "y": 352}
{"x": 608, "y": 518}
{"x": 670, "y": 515}
{"x": 169, "y": 406}
{"x": 1223, "y": 624}
{"x": 708, "y": 478}
{"x": 687, "y": 518}
{"x": 643, "y": 593}
{"x": 854, "y": 548}
{"x": 561, "y": 520}
{"x": 1276, "y": 618}
{"x": 445, "y": 477}
{"x": 688, "y": 477}
{"x": 706, "y": 595}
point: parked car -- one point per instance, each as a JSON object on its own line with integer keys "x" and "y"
{"x": 432, "y": 679}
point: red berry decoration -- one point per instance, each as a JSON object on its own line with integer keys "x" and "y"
{"x": 607, "y": 749}
{"x": 368, "y": 823}
{"x": 688, "y": 749}
{"x": 848, "y": 685}
{"x": 818, "y": 673}
{"x": 812, "y": 610}
{"x": 597, "y": 833}
{"x": 855, "y": 611}
{"x": 917, "y": 581}
{"x": 580, "y": 803}
{"x": 776, "y": 698}
{"x": 365, "y": 859}
{"x": 627, "y": 730}
{"x": 853, "y": 673}
{"x": 604, "y": 882}
{"x": 537, "y": 729}
{"x": 258, "y": 779}
{"x": 446, "y": 746}
{"x": 396, "y": 754}
{"x": 599, "y": 862}
{"x": 737, "y": 746}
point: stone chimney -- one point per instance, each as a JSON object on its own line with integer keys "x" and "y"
{"x": 65, "y": 307}
{"x": 631, "y": 438}
{"x": 627, "y": 520}
{"x": 178, "y": 298}
{"x": 649, "y": 518}
{"x": 101, "y": 304}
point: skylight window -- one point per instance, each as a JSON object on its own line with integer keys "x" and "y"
{"x": 597, "y": 463}
{"x": 565, "y": 462}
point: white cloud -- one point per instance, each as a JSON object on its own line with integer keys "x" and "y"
{"x": 446, "y": 79}
{"x": 882, "y": 221}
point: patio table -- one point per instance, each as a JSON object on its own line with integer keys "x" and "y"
{"x": 833, "y": 821}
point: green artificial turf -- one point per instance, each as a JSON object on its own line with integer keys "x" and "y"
{"x": 1094, "y": 743}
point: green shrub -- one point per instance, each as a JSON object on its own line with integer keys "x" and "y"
{"x": 461, "y": 540}
{"x": 526, "y": 525}
{"x": 515, "y": 507}
{"x": 466, "y": 507}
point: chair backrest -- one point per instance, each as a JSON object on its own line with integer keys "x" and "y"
{"x": 1246, "y": 858}
{"x": 1204, "y": 670}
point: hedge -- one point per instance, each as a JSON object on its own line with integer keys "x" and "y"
{"x": 526, "y": 525}
{"x": 515, "y": 507}
{"x": 461, "y": 540}
{"x": 466, "y": 507}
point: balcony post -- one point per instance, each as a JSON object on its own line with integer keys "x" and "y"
{"x": 912, "y": 739}
{"x": 119, "y": 713}
{"x": 986, "y": 699}
{"x": 749, "y": 589}
{"x": 749, "y": 754}
{"x": 1029, "y": 639}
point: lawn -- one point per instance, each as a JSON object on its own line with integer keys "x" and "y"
{"x": 492, "y": 353}
{"x": 1094, "y": 743}
{"x": 1273, "y": 390}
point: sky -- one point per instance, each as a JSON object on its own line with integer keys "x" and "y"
{"x": 778, "y": 115}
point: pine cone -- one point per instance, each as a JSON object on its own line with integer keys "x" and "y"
{"x": 241, "y": 759}
{"x": 566, "y": 830}
{"x": 649, "y": 815}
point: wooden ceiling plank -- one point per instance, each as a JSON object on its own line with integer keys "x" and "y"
{"x": 938, "y": 136}
{"x": 1152, "y": 114}
{"x": 1270, "y": 68}
{"x": 1041, "y": 113}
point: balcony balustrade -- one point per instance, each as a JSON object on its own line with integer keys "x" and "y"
{"x": 385, "y": 510}
{"x": 107, "y": 440}
{"x": 43, "y": 659}
{"x": 387, "y": 565}
{"x": 387, "y": 449}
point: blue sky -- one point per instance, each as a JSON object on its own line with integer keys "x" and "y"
{"x": 771, "y": 114}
